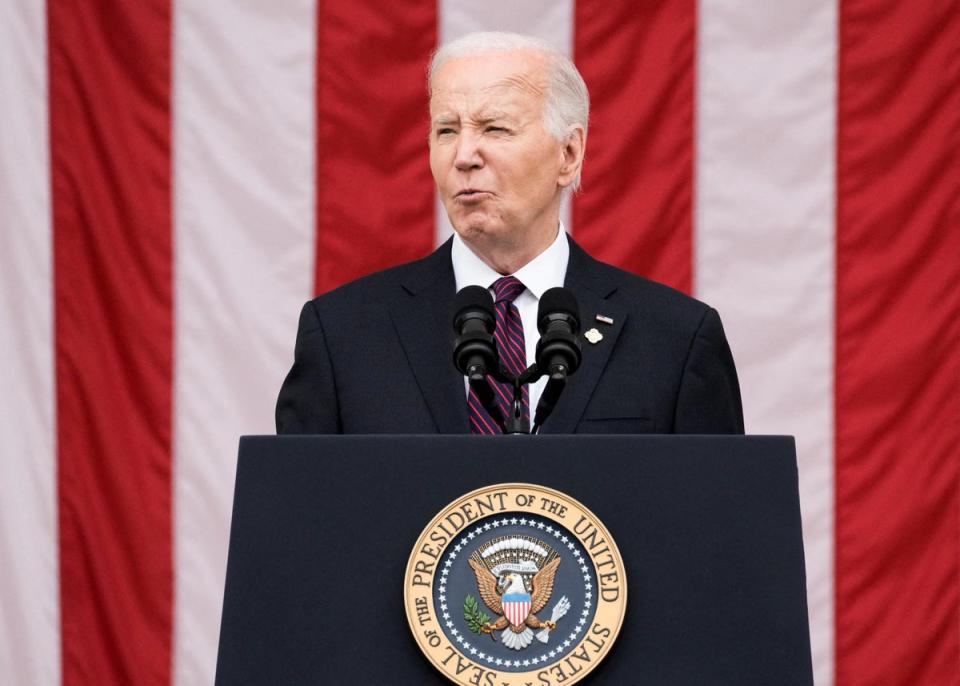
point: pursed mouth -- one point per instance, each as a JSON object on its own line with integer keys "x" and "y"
{"x": 468, "y": 193}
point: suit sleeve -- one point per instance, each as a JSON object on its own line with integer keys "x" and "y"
{"x": 307, "y": 403}
{"x": 709, "y": 397}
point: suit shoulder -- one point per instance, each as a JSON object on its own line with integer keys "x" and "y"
{"x": 656, "y": 299}
{"x": 372, "y": 290}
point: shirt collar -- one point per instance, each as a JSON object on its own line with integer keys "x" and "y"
{"x": 547, "y": 270}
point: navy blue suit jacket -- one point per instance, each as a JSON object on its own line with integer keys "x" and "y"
{"x": 376, "y": 356}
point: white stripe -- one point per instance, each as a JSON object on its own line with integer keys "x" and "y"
{"x": 765, "y": 240}
{"x": 244, "y": 237}
{"x": 29, "y": 571}
{"x": 549, "y": 20}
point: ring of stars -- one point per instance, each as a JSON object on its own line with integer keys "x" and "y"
{"x": 464, "y": 641}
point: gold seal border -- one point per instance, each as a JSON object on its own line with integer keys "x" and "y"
{"x": 442, "y": 653}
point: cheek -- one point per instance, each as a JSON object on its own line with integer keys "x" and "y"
{"x": 537, "y": 163}
{"x": 440, "y": 163}
{"x": 536, "y": 176}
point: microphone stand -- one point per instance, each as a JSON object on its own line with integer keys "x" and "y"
{"x": 556, "y": 382}
{"x": 516, "y": 423}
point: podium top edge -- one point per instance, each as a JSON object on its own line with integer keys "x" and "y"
{"x": 771, "y": 439}
{"x": 538, "y": 436}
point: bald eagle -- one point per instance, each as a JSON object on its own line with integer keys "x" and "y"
{"x": 514, "y": 607}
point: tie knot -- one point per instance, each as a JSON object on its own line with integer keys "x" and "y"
{"x": 507, "y": 288}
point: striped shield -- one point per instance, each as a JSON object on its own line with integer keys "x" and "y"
{"x": 516, "y": 607}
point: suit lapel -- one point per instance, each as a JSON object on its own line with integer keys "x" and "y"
{"x": 592, "y": 286}
{"x": 423, "y": 323}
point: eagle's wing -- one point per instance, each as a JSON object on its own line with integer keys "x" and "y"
{"x": 543, "y": 585}
{"x": 487, "y": 584}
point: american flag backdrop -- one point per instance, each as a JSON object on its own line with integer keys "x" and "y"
{"x": 178, "y": 176}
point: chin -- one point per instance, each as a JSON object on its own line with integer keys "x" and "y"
{"x": 475, "y": 226}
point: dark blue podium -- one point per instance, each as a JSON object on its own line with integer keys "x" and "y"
{"x": 708, "y": 528}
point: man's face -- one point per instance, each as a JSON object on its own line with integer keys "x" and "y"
{"x": 498, "y": 171}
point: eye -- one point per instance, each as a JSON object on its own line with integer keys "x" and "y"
{"x": 444, "y": 132}
{"x": 496, "y": 129}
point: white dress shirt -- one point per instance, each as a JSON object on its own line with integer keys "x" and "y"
{"x": 547, "y": 270}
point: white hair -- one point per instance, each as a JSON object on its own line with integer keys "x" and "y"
{"x": 567, "y": 101}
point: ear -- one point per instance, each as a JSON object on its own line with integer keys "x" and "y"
{"x": 572, "y": 155}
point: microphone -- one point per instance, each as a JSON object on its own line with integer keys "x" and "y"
{"x": 558, "y": 350}
{"x": 558, "y": 320}
{"x": 474, "y": 351}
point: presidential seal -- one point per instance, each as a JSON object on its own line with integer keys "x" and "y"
{"x": 514, "y": 585}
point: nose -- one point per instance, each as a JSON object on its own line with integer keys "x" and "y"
{"x": 468, "y": 152}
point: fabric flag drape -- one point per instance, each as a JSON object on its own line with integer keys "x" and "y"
{"x": 178, "y": 176}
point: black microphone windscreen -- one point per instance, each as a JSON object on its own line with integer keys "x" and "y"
{"x": 470, "y": 298}
{"x": 555, "y": 300}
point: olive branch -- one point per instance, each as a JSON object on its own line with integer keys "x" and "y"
{"x": 471, "y": 612}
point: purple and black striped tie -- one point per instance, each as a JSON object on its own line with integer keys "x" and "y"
{"x": 513, "y": 356}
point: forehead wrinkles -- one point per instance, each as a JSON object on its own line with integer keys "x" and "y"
{"x": 510, "y": 95}
{"x": 522, "y": 82}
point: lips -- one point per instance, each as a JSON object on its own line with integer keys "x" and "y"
{"x": 471, "y": 196}
{"x": 470, "y": 193}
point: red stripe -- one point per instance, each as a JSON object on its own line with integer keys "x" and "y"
{"x": 110, "y": 148}
{"x": 501, "y": 390}
{"x": 506, "y": 398}
{"x": 898, "y": 344}
{"x": 516, "y": 338}
{"x": 635, "y": 209}
{"x": 477, "y": 427}
{"x": 513, "y": 339}
{"x": 507, "y": 352}
{"x": 511, "y": 358}
{"x": 479, "y": 414}
{"x": 375, "y": 205}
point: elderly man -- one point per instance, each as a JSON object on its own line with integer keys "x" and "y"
{"x": 507, "y": 139}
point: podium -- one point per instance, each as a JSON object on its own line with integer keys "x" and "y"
{"x": 708, "y": 528}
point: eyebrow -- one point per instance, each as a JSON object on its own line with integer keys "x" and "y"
{"x": 491, "y": 115}
{"x": 485, "y": 117}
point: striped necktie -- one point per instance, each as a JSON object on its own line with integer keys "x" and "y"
{"x": 513, "y": 357}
